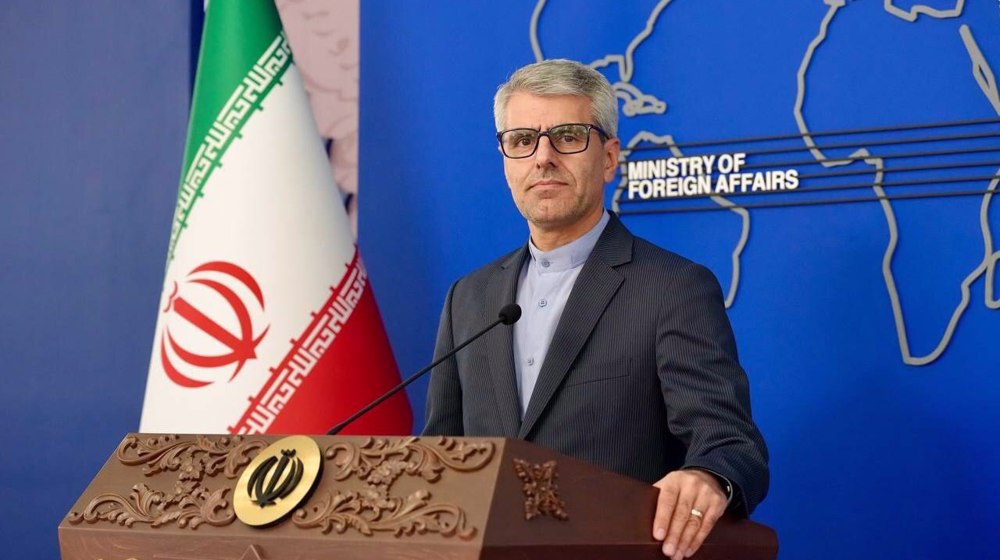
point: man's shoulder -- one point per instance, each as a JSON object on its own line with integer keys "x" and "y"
{"x": 648, "y": 254}
{"x": 653, "y": 267}
{"x": 618, "y": 245}
{"x": 482, "y": 275}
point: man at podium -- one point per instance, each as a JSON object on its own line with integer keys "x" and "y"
{"x": 624, "y": 356}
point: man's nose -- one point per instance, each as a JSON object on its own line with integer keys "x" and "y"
{"x": 545, "y": 154}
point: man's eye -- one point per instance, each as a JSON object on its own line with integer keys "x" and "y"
{"x": 521, "y": 140}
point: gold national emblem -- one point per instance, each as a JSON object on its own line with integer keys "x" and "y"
{"x": 277, "y": 481}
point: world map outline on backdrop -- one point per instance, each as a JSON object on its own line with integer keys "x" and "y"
{"x": 636, "y": 102}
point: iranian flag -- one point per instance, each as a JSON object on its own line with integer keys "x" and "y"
{"x": 267, "y": 323}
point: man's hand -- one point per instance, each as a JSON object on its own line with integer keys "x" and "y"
{"x": 677, "y": 524}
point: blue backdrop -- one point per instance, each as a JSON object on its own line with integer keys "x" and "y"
{"x": 872, "y": 455}
{"x": 93, "y": 113}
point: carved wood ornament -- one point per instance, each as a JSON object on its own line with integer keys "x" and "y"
{"x": 190, "y": 504}
{"x": 541, "y": 492}
{"x": 378, "y": 463}
{"x": 375, "y": 465}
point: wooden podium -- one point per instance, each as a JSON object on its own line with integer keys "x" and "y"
{"x": 168, "y": 497}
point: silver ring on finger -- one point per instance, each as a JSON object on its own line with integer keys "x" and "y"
{"x": 696, "y": 513}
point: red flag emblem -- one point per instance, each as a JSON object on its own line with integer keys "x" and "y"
{"x": 224, "y": 287}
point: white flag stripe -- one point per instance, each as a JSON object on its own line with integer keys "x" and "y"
{"x": 284, "y": 225}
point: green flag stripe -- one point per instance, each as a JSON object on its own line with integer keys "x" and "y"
{"x": 245, "y": 99}
{"x": 235, "y": 33}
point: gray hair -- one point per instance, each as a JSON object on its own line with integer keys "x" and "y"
{"x": 561, "y": 77}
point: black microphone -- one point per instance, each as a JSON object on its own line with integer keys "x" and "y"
{"x": 509, "y": 314}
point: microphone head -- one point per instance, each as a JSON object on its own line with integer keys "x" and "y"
{"x": 510, "y": 313}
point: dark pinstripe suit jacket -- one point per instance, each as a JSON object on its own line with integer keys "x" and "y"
{"x": 641, "y": 376}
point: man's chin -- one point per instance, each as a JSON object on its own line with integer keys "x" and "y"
{"x": 555, "y": 220}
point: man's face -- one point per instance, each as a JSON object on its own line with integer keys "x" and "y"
{"x": 558, "y": 192}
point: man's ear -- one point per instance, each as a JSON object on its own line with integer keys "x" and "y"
{"x": 612, "y": 151}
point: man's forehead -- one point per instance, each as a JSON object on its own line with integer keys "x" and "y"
{"x": 528, "y": 109}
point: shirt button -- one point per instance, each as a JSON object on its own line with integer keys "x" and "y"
{"x": 531, "y": 361}
{"x": 545, "y": 264}
{"x": 542, "y": 302}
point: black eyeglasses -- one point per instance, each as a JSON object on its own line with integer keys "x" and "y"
{"x": 570, "y": 138}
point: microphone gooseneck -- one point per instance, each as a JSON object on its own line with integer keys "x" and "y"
{"x": 509, "y": 314}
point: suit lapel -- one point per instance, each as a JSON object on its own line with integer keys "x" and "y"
{"x": 595, "y": 286}
{"x": 501, "y": 290}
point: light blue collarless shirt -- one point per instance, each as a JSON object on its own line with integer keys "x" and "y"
{"x": 543, "y": 288}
